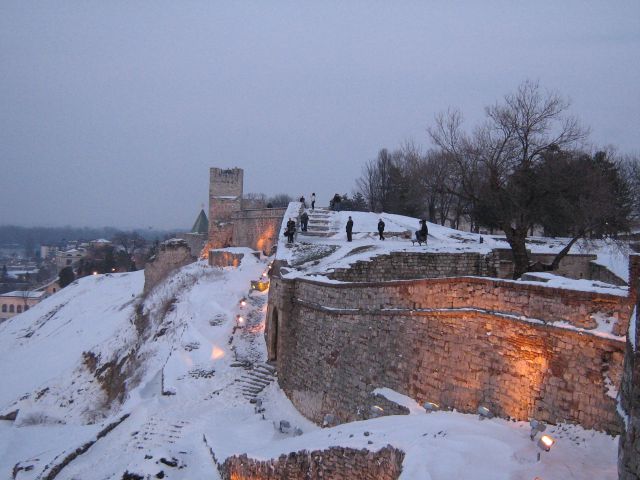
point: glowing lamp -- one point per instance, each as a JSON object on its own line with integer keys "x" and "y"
{"x": 484, "y": 412}
{"x": 430, "y": 406}
{"x": 546, "y": 442}
{"x": 239, "y": 320}
{"x": 376, "y": 411}
{"x": 95, "y": 273}
{"x": 243, "y": 303}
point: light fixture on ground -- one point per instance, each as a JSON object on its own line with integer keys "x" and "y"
{"x": 545, "y": 443}
{"x": 239, "y": 320}
{"x": 376, "y": 411}
{"x": 484, "y": 412}
{"x": 243, "y": 302}
{"x": 536, "y": 427}
{"x": 430, "y": 407}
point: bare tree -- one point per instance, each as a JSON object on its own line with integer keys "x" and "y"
{"x": 496, "y": 164}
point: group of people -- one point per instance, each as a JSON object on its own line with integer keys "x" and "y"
{"x": 313, "y": 201}
{"x": 421, "y": 235}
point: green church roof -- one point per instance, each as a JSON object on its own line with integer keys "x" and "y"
{"x": 202, "y": 223}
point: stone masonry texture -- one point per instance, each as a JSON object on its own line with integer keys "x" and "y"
{"x": 335, "y": 463}
{"x": 629, "y": 447}
{"x": 172, "y": 254}
{"x": 459, "y": 342}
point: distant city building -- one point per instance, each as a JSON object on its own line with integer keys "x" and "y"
{"x": 48, "y": 251}
{"x": 69, "y": 258}
{"x": 16, "y": 302}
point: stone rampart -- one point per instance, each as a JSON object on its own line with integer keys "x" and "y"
{"x": 458, "y": 342}
{"x": 171, "y": 254}
{"x": 537, "y": 302}
{"x": 223, "y": 258}
{"x": 629, "y": 447}
{"x": 335, "y": 463}
{"x": 257, "y": 229}
{"x": 498, "y": 263}
{"x": 410, "y": 265}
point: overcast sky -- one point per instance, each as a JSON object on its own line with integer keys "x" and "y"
{"x": 111, "y": 113}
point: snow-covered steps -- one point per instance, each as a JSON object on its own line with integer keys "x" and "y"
{"x": 255, "y": 380}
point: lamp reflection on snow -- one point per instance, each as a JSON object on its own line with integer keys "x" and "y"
{"x": 216, "y": 353}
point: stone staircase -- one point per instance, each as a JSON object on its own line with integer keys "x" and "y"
{"x": 255, "y": 379}
{"x": 319, "y": 223}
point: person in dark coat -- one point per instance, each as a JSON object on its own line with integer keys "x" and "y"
{"x": 304, "y": 220}
{"x": 349, "y": 229}
{"x": 303, "y": 202}
{"x": 291, "y": 230}
{"x": 421, "y": 235}
{"x": 313, "y": 201}
{"x": 381, "y": 229}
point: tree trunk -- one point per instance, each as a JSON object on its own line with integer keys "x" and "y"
{"x": 517, "y": 241}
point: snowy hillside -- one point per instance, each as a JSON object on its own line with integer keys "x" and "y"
{"x": 104, "y": 381}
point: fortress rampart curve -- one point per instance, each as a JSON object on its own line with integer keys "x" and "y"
{"x": 524, "y": 351}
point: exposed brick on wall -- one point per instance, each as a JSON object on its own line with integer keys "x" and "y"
{"x": 171, "y": 255}
{"x": 335, "y": 463}
{"x": 331, "y": 355}
{"x": 508, "y": 297}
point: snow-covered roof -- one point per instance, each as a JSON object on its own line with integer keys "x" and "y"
{"x": 24, "y": 294}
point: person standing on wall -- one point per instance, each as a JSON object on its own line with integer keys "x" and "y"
{"x": 313, "y": 201}
{"x": 291, "y": 230}
{"x": 303, "y": 202}
{"x": 381, "y": 229}
{"x": 421, "y": 235}
{"x": 349, "y": 229}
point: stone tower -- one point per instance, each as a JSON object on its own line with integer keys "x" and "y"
{"x": 225, "y": 198}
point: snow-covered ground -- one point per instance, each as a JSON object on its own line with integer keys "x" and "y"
{"x": 187, "y": 375}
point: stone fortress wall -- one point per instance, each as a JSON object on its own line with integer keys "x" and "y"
{"x": 629, "y": 446}
{"x": 460, "y": 342}
{"x": 497, "y": 263}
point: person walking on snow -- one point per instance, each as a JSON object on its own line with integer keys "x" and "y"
{"x": 349, "y": 229}
{"x": 313, "y": 201}
{"x": 381, "y": 229}
{"x": 304, "y": 220}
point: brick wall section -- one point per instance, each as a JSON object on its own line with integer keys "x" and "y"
{"x": 171, "y": 255}
{"x": 629, "y": 447}
{"x": 508, "y": 297}
{"x": 331, "y": 355}
{"x": 335, "y": 463}
{"x": 257, "y": 229}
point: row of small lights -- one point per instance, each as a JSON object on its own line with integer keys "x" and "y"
{"x": 240, "y": 321}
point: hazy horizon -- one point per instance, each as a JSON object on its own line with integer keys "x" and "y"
{"x": 113, "y": 113}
